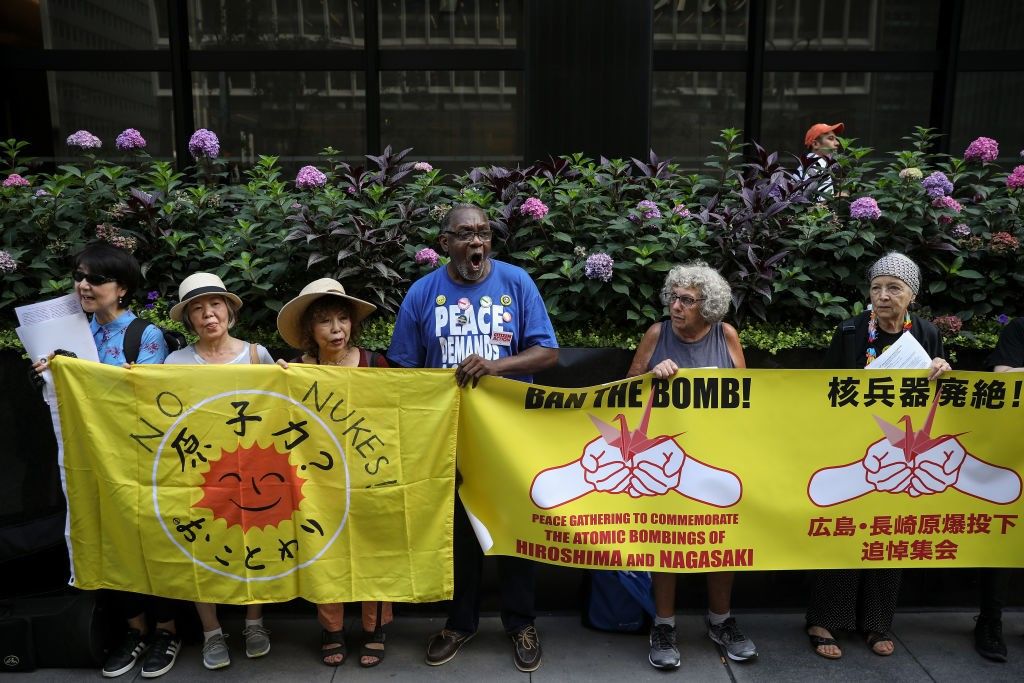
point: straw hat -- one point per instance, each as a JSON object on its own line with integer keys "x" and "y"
{"x": 289, "y": 320}
{"x": 200, "y": 284}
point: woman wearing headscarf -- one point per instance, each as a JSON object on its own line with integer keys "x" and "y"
{"x": 694, "y": 336}
{"x": 206, "y": 308}
{"x": 324, "y": 322}
{"x": 865, "y": 599}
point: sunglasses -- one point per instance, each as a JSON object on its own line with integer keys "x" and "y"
{"x": 92, "y": 279}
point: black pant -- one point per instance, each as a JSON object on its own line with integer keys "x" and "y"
{"x": 854, "y": 599}
{"x": 993, "y": 585}
{"x": 515, "y": 582}
{"x": 127, "y": 605}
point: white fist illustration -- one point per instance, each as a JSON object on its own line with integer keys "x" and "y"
{"x": 657, "y": 470}
{"x": 604, "y": 468}
{"x": 938, "y": 468}
{"x": 887, "y": 468}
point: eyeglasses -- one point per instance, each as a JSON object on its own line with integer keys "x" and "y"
{"x": 92, "y": 278}
{"x": 684, "y": 301}
{"x": 468, "y": 235}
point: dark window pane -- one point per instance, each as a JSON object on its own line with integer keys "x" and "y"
{"x": 450, "y": 23}
{"x": 993, "y": 25}
{"x": 700, "y": 25}
{"x": 292, "y": 115}
{"x": 878, "y": 108}
{"x": 989, "y": 104}
{"x": 851, "y": 25}
{"x": 453, "y": 119}
{"x": 689, "y": 108}
{"x": 105, "y": 103}
{"x": 275, "y": 24}
{"x": 84, "y": 24}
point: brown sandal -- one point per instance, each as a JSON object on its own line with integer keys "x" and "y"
{"x": 332, "y": 644}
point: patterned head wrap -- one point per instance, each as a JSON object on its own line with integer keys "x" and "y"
{"x": 898, "y": 266}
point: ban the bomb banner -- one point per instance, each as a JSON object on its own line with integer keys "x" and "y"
{"x": 749, "y": 470}
{"x": 242, "y": 484}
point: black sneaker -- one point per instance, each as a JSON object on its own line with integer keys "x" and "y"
{"x": 122, "y": 659}
{"x": 526, "y": 648}
{"x": 162, "y": 654}
{"x": 988, "y": 639}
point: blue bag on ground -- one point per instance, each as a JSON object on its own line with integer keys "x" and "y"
{"x": 621, "y": 602}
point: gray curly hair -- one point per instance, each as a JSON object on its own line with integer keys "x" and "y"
{"x": 715, "y": 291}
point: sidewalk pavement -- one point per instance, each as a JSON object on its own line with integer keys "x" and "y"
{"x": 930, "y": 646}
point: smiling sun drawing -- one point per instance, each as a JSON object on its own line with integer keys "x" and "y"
{"x": 252, "y": 487}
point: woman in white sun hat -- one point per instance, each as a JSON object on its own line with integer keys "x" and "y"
{"x": 324, "y": 322}
{"x": 208, "y": 309}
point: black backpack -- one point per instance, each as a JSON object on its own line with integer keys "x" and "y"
{"x": 133, "y": 339}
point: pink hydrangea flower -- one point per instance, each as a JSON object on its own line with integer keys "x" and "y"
{"x": 947, "y": 202}
{"x": 427, "y": 256}
{"x": 1003, "y": 243}
{"x": 865, "y": 209}
{"x": 130, "y": 139}
{"x": 534, "y": 208}
{"x": 310, "y": 178}
{"x": 681, "y": 211}
{"x": 83, "y": 139}
{"x": 949, "y": 325}
{"x": 1015, "y": 180}
{"x": 422, "y": 166}
{"x": 982, "y": 149}
{"x": 15, "y": 180}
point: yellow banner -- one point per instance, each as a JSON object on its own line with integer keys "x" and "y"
{"x": 749, "y": 470}
{"x": 247, "y": 484}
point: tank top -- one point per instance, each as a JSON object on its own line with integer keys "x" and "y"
{"x": 710, "y": 351}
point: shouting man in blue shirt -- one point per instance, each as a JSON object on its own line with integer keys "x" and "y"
{"x": 482, "y": 317}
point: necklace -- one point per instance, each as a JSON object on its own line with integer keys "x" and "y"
{"x": 340, "y": 361}
{"x": 871, "y": 354}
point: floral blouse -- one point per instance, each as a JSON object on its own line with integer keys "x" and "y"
{"x": 109, "y": 341}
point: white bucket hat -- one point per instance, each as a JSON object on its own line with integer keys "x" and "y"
{"x": 289, "y": 320}
{"x": 200, "y": 284}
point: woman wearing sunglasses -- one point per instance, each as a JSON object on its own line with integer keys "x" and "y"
{"x": 106, "y": 277}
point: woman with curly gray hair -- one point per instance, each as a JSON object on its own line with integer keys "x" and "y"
{"x": 694, "y": 336}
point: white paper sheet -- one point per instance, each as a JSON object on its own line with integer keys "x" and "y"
{"x": 70, "y": 332}
{"x": 906, "y": 353}
{"x": 40, "y": 312}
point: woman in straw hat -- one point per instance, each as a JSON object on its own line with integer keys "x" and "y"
{"x": 323, "y": 321}
{"x": 209, "y": 310}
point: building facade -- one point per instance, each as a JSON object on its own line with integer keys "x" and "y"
{"x": 470, "y": 82}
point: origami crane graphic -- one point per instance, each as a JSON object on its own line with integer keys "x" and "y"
{"x": 914, "y": 463}
{"x": 624, "y": 461}
{"x": 915, "y": 443}
{"x": 628, "y": 442}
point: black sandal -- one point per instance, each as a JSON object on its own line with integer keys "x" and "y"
{"x": 873, "y": 638}
{"x": 336, "y": 641}
{"x": 823, "y": 641}
{"x": 372, "y": 638}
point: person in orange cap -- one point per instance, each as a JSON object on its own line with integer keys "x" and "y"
{"x": 822, "y": 142}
